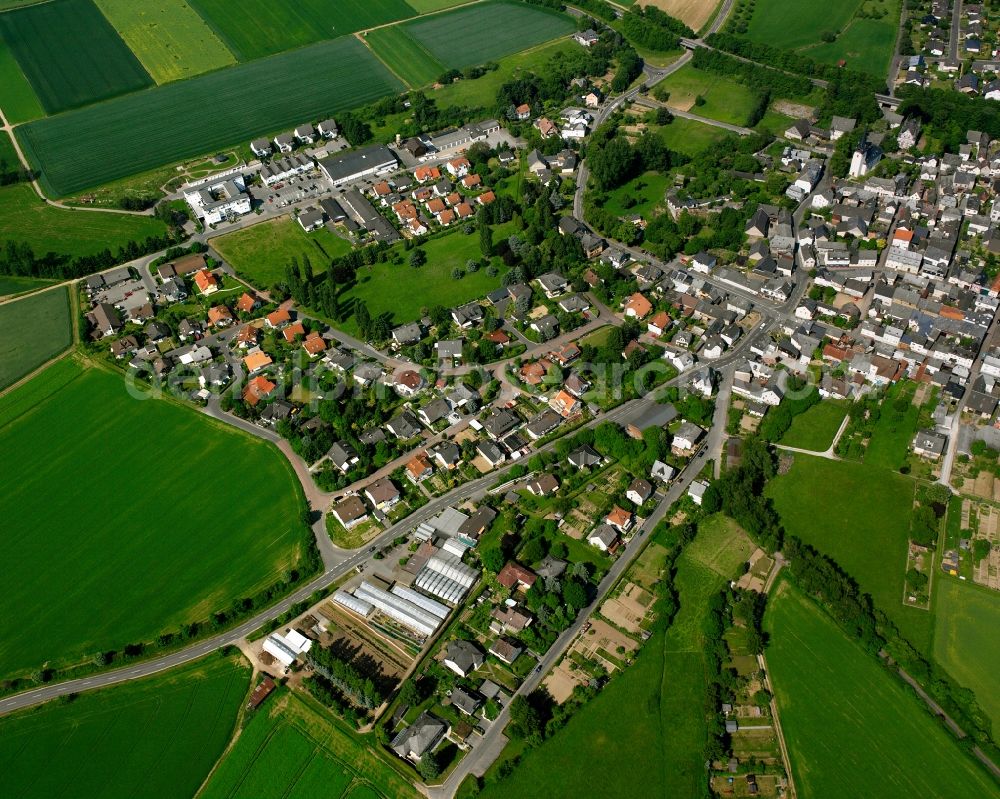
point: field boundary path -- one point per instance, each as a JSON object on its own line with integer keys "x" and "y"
{"x": 939, "y": 711}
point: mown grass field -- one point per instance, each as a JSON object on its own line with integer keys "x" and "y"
{"x": 794, "y": 23}
{"x": 17, "y": 99}
{"x": 816, "y": 428}
{"x": 70, "y": 53}
{"x": 865, "y": 44}
{"x": 256, "y": 28}
{"x": 261, "y": 252}
{"x": 156, "y": 737}
{"x": 966, "y": 644}
{"x": 33, "y": 330}
{"x": 24, "y": 217}
{"x": 859, "y": 515}
{"x": 690, "y": 137}
{"x": 106, "y": 141}
{"x": 132, "y": 517}
{"x": 725, "y": 100}
{"x": 290, "y": 751}
{"x": 486, "y": 31}
{"x": 402, "y": 291}
{"x": 851, "y": 727}
{"x": 651, "y": 714}
{"x": 168, "y": 37}
{"x": 404, "y": 55}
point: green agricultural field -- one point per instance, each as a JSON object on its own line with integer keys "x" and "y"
{"x": 966, "y": 644}
{"x": 156, "y": 737}
{"x": 256, "y": 28}
{"x": 133, "y": 517}
{"x": 24, "y": 217}
{"x": 486, "y": 31}
{"x": 816, "y": 428}
{"x": 168, "y": 37}
{"x": 261, "y": 252}
{"x": 650, "y": 714}
{"x": 33, "y": 330}
{"x": 10, "y": 285}
{"x": 401, "y": 291}
{"x": 725, "y": 99}
{"x": 429, "y": 6}
{"x": 18, "y": 100}
{"x": 794, "y": 23}
{"x": 690, "y": 137}
{"x": 98, "y": 144}
{"x": 859, "y": 515}
{"x": 290, "y": 751}
{"x": 404, "y": 55}
{"x": 8, "y": 155}
{"x": 852, "y": 727}
{"x": 70, "y": 53}
{"x": 481, "y": 92}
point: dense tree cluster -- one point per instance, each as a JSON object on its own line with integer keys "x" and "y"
{"x": 18, "y": 258}
{"x": 652, "y": 29}
{"x": 739, "y": 493}
{"x": 345, "y": 677}
{"x": 950, "y": 114}
{"x": 777, "y": 421}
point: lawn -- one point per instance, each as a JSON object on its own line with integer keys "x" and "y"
{"x": 18, "y": 100}
{"x": 156, "y": 737}
{"x": 897, "y": 424}
{"x": 852, "y": 727}
{"x": 255, "y": 28}
{"x": 150, "y": 503}
{"x": 966, "y": 644}
{"x": 70, "y": 53}
{"x": 859, "y": 515}
{"x": 690, "y": 137}
{"x": 290, "y": 750}
{"x": 33, "y": 330}
{"x": 168, "y": 37}
{"x": 85, "y": 148}
{"x": 651, "y": 714}
{"x": 815, "y": 429}
{"x": 794, "y": 23}
{"x": 260, "y": 253}
{"x": 486, "y": 31}
{"x": 404, "y": 55}
{"x": 725, "y": 99}
{"x": 401, "y": 291}
{"x": 26, "y": 218}
{"x": 641, "y": 195}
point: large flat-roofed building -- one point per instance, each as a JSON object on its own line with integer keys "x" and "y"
{"x": 341, "y": 169}
{"x": 220, "y": 200}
